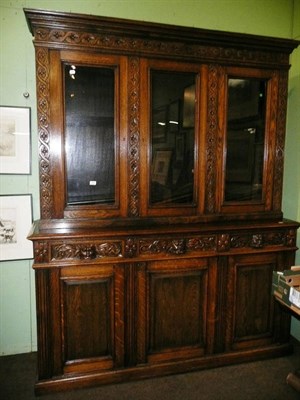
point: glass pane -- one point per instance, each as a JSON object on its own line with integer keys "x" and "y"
{"x": 245, "y": 139}
{"x": 172, "y": 139}
{"x": 89, "y": 134}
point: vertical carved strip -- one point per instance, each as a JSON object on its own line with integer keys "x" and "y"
{"x": 119, "y": 315}
{"x": 130, "y": 314}
{"x": 279, "y": 151}
{"x": 134, "y": 136}
{"x": 43, "y": 115}
{"x": 142, "y": 317}
{"x": 43, "y": 324}
{"x": 212, "y": 118}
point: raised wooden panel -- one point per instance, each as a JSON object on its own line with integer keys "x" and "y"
{"x": 177, "y": 292}
{"x": 177, "y": 310}
{"x": 252, "y": 301}
{"x": 48, "y": 323}
{"x": 93, "y": 317}
{"x": 87, "y": 319}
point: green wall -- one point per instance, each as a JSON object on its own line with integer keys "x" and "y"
{"x": 279, "y": 18}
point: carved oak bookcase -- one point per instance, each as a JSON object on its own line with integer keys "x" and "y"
{"x": 161, "y": 164}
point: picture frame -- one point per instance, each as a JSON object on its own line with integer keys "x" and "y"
{"x": 15, "y": 224}
{"x": 189, "y": 96}
{"x": 15, "y": 140}
{"x": 161, "y": 165}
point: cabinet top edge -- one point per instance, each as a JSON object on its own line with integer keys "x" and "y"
{"x": 38, "y": 18}
{"x": 57, "y": 228}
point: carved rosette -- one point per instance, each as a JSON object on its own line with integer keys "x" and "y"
{"x": 223, "y": 242}
{"x": 130, "y": 248}
{"x": 291, "y": 238}
{"x": 134, "y": 136}
{"x": 155, "y": 46}
{"x": 257, "y": 241}
{"x": 43, "y": 113}
{"x": 41, "y": 253}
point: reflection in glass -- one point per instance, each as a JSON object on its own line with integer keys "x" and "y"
{"x": 89, "y": 134}
{"x": 245, "y": 139}
{"x": 172, "y": 138}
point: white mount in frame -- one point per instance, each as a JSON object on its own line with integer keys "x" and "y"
{"x": 15, "y": 140}
{"x": 15, "y": 224}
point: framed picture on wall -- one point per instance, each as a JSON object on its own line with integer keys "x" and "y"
{"x": 15, "y": 140}
{"x": 161, "y": 165}
{"x": 15, "y": 224}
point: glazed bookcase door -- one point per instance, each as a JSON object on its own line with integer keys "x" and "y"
{"x": 170, "y": 130}
{"x": 250, "y": 139}
{"x": 86, "y": 167}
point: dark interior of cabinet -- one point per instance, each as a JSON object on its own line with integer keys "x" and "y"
{"x": 90, "y": 134}
{"x": 245, "y": 139}
{"x": 173, "y": 137}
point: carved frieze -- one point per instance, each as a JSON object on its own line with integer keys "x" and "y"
{"x": 149, "y": 46}
{"x": 133, "y": 247}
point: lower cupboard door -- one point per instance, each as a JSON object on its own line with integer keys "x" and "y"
{"x": 173, "y": 319}
{"x": 250, "y": 302}
{"x": 91, "y": 322}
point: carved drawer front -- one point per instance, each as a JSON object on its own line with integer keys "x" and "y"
{"x": 83, "y": 250}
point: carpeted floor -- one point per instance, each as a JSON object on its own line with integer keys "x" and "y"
{"x": 261, "y": 380}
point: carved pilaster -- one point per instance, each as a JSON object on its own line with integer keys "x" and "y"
{"x": 211, "y": 140}
{"x": 43, "y": 115}
{"x": 280, "y": 140}
{"x": 134, "y": 136}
